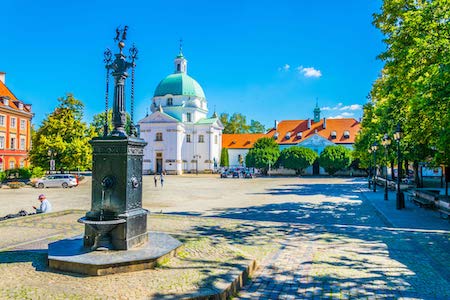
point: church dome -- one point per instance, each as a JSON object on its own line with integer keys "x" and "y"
{"x": 179, "y": 84}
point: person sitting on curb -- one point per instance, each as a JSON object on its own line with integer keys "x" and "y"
{"x": 45, "y": 207}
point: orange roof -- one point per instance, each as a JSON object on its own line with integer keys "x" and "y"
{"x": 240, "y": 140}
{"x": 293, "y": 127}
{"x": 339, "y": 126}
{"x": 13, "y": 101}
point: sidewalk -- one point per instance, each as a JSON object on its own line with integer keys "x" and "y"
{"x": 411, "y": 217}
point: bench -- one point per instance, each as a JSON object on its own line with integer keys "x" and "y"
{"x": 425, "y": 198}
{"x": 443, "y": 206}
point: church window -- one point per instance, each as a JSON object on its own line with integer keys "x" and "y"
{"x": 201, "y": 138}
{"x": 215, "y": 139}
{"x": 178, "y": 67}
{"x": 159, "y": 136}
{"x": 169, "y": 101}
{"x": 188, "y": 117}
{"x": 188, "y": 138}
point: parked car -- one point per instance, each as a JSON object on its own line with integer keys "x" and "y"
{"x": 57, "y": 180}
{"x": 249, "y": 175}
{"x": 237, "y": 174}
{"x": 225, "y": 174}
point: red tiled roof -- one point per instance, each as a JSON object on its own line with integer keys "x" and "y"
{"x": 240, "y": 140}
{"x": 294, "y": 127}
{"x": 13, "y": 101}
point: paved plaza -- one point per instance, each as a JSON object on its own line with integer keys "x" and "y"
{"x": 313, "y": 238}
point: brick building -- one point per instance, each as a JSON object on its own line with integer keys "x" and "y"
{"x": 15, "y": 129}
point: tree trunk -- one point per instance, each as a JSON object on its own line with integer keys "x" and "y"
{"x": 392, "y": 170}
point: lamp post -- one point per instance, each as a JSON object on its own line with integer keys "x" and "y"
{"x": 386, "y": 142}
{"x": 370, "y": 169}
{"x": 374, "y": 151}
{"x": 400, "y": 197}
{"x": 51, "y": 153}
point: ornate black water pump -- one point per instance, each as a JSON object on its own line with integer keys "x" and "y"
{"x": 116, "y": 219}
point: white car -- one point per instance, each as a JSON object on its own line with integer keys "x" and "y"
{"x": 57, "y": 180}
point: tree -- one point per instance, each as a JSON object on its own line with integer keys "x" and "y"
{"x": 335, "y": 158}
{"x": 256, "y": 127}
{"x": 297, "y": 158}
{"x": 237, "y": 123}
{"x": 265, "y": 153}
{"x": 98, "y": 123}
{"x": 66, "y": 135}
{"x": 224, "y": 159}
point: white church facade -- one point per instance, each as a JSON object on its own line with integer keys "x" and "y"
{"x": 181, "y": 137}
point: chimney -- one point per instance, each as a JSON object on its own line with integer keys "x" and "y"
{"x": 3, "y": 77}
{"x": 309, "y": 123}
{"x": 275, "y": 126}
{"x": 324, "y": 123}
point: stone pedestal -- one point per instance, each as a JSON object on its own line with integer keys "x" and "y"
{"x": 117, "y": 191}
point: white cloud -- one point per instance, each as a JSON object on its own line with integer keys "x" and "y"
{"x": 342, "y": 115}
{"x": 351, "y": 107}
{"x": 284, "y": 68}
{"x": 309, "y": 72}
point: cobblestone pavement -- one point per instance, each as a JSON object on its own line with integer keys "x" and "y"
{"x": 336, "y": 239}
{"x": 357, "y": 254}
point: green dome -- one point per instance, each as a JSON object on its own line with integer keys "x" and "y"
{"x": 179, "y": 84}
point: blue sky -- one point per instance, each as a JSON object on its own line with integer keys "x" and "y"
{"x": 268, "y": 60}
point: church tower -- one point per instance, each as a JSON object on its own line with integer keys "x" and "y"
{"x": 180, "y": 62}
{"x": 317, "y": 112}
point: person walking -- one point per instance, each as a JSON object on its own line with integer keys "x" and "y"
{"x": 162, "y": 179}
{"x": 45, "y": 206}
{"x": 156, "y": 179}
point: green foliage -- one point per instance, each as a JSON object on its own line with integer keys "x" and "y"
{"x": 414, "y": 88}
{"x": 224, "y": 158}
{"x": 2, "y": 176}
{"x": 63, "y": 132}
{"x": 98, "y": 123}
{"x": 297, "y": 158}
{"x": 22, "y": 173}
{"x": 256, "y": 127}
{"x": 237, "y": 123}
{"x": 265, "y": 153}
{"x": 335, "y": 158}
{"x": 37, "y": 172}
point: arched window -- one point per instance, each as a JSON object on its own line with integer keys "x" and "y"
{"x": 169, "y": 101}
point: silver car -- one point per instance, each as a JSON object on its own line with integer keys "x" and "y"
{"x": 57, "y": 180}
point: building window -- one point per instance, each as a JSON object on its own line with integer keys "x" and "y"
{"x": 178, "y": 67}
{"x": 23, "y": 124}
{"x": 201, "y": 138}
{"x": 2, "y": 120}
{"x": 2, "y": 142}
{"x": 215, "y": 139}
{"x": 13, "y": 123}
{"x": 22, "y": 163}
{"x": 13, "y": 143}
{"x": 22, "y": 143}
{"x": 188, "y": 117}
{"x": 333, "y": 134}
{"x": 1, "y": 165}
{"x": 11, "y": 164}
{"x": 159, "y": 136}
{"x": 169, "y": 101}
{"x": 188, "y": 138}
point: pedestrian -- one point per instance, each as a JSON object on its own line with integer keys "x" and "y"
{"x": 156, "y": 179}
{"x": 45, "y": 206}
{"x": 162, "y": 179}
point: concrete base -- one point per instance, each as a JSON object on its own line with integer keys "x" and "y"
{"x": 69, "y": 255}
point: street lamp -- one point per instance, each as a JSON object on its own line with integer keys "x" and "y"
{"x": 400, "y": 197}
{"x": 51, "y": 153}
{"x": 386, "y": 142}
{"x": 370, "y": 169}
{"x": 374, "y": 151}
